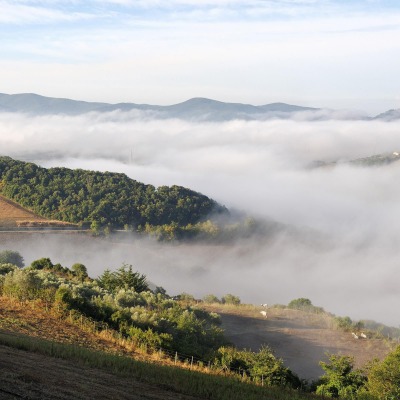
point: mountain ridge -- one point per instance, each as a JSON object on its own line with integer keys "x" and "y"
{"x": 194, "y": 108}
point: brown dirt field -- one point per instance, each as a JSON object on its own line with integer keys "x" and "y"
{"x": 26, "y": 375}
{"x": 300, "y": 339}
{"x": 11, "y": 213}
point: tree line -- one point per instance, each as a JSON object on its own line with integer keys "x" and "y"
{"x": 106, "y": 198}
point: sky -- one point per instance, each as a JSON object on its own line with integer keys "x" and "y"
{"x": 322, "y": 53}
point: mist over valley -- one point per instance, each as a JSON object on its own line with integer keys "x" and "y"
{"x": 340, "y": 238}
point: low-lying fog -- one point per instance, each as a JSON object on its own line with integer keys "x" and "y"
{"x": 344, "y": 256}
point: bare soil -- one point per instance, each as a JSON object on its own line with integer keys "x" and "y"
{"x": 11, "y": 213}
{"x": 26, "y": 375}
{"x": 300, "y": 339}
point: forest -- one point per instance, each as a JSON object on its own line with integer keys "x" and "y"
{"x": 104, "y": 199}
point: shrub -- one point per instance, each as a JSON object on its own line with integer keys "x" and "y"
{"x": 340, "y": 379}
{"x": 42, "y": 263}
{"x": 6, "y": 268}
{"x": 262, "y": 365}
{"x": 211, "y": 298}
{"x": 230, "y": 299}
{"x": 22, "y": 284}
{"x": 80, "y": 271}
{"x": 384, "y": 377}
{"x": 304, "y": 304}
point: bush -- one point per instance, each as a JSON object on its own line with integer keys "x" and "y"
{"x": 340, "y": 379}
{"x": 6, "y": 268}
{"x": 304, "y": 304}
{"x": 261, "y": 366}
{"x": 230, "y": 299}
{"x": 80, "y": 271}
{"x": 22, "y": 284}
{"x": 384, "y": 377}
{"x": 211, "y": 298}
{"x": 42, "y": 263}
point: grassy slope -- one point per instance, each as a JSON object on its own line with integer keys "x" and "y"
{"x": 23, "y": 326}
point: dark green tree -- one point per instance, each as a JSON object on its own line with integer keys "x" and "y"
{"x": 11, "y": 257}
{"x": 80, "y": 271}
{"x": 230, "y": 299}
{"x": 340, "y": 379}
{"x": 42, "y": 263}
{"x": 384, "y": 377}
{"x": 123, "y": 278}
{"x": 128, "y": 279}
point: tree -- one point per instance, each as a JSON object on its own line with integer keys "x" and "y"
{"x": 6, "y": 268}
{"x": 211, "y": 298}
{"x": 340, "y": 379}
{"x": 107, "y": 280}
{"x": 22, "y": 284}
{"x": 80, "y": 271}
{"x": 300, "y": 304}
{"x": 42, "y": 263}
{"x": 11, "y": 257}
{"x": 128, "y": 279}
{"x": 230, "y": 299}
{"x": 123, "y": 278}
{"x": 384, "y": 377}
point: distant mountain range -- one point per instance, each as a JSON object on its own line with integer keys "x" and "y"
{"x": 196, "y": 108}
{"x": 200, "y": 109}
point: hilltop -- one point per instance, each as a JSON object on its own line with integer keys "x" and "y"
{"x": 101, "y": 198}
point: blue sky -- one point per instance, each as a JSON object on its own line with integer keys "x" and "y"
{"x": 324, "y": 53}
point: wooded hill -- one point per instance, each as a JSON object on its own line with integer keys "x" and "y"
{"x": 106, "y": 198}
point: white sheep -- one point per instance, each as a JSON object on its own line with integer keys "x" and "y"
{"x": 264, "y": 305}
{"x": 363, "y": 335}
{"x": 263, "y": 313}
{"x": 354, "y": 335}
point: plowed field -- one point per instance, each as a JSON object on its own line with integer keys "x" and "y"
{"x": 11, "y": 213}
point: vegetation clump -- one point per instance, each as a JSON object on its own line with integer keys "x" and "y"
{"x": 304, "y": 304}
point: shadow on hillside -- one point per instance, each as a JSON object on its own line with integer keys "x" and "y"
{"x": 300, "y": 347}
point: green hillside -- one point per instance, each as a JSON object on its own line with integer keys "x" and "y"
{"x": 108, "y": 198}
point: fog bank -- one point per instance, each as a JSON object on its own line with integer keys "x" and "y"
{"x": 344, "y": 255}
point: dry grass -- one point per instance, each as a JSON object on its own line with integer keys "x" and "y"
{"x": 12, "y": 215}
